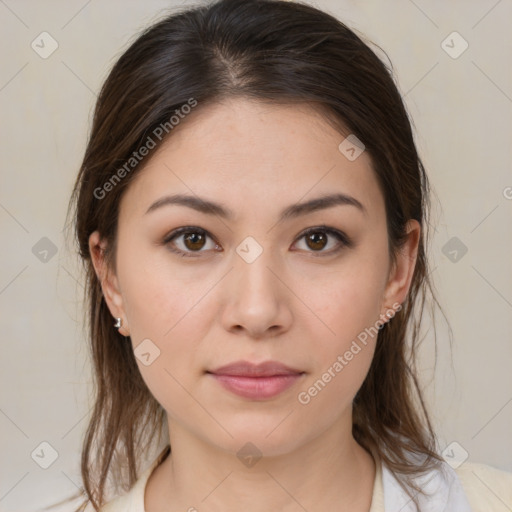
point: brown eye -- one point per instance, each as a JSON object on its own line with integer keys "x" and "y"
{"x": 192, "y": 240}
{"x": 316, "y": 239}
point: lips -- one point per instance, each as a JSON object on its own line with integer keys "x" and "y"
{"x": 247, "y": 369}
{"x": 256, "y": 381}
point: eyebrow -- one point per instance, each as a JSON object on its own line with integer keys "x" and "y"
{"x": 295, "y": 210}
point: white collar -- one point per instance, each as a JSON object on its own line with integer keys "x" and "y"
{"x": 443, "y": 486}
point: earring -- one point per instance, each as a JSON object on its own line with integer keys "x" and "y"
{"x": 118, "y": 323}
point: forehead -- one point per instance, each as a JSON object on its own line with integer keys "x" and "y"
{"x": 254, "y": 155}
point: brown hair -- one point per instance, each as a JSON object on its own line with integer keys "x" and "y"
{"x": 280, "y": 52}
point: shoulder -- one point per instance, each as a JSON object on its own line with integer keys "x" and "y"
{"x": 133, "y": 500}
{"x": 121, "y": 503}
{"x": 471, "y": 487}
{"x": 487, "y": 488}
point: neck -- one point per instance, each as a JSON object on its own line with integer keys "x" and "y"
{"x": 328, "y": 472}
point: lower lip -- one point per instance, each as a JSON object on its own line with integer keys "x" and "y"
{"x": 257, "y": 387}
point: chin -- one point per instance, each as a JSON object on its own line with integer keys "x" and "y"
{"x": 269, "y": 438}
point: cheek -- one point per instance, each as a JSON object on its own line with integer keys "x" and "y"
{"x": 347, "y": 301}
{"x": 329, "y": 394}
{"x": 346, "y": 304}
{"x": 343, "y": 355}
{"x": 166, "y": 320}
{"x": 158, "y": 300}
{"x": 167, "y": 312}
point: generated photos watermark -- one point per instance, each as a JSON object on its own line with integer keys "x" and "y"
{"x": 304, "y": 397}
{"x": 137, "y": 156}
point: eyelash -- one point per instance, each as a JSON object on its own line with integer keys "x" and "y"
{"x": 345, "y": 241}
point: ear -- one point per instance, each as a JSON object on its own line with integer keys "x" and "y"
{"x": 401, "y": 273}
{"x": 108, "y": 280}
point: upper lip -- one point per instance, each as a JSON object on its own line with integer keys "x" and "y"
{"x": 248, "y": 369}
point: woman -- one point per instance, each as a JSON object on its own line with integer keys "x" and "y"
{"x": 252, "y": 214}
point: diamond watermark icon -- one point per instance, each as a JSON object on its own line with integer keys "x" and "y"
{"x": 249, "y": 249}
{"x": 44, "y": 455}
{"x": 44, "y": 250}
{"x": 351, "y": 147}
{"x": 44, "y": 45}
{"x": 249, "y": 454}
{"x": 454, "y": 249}
{"x": 454, "y": 45}
{"x": 455, "y": 454}
{"x": 146, "y": 352}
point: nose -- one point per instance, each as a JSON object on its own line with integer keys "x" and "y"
{"x": 257, "y": 300}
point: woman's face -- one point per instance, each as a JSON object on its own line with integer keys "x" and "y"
{"x": 250, "y": 285}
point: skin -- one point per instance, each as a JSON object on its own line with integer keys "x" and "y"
{"x": 298, "y": 303}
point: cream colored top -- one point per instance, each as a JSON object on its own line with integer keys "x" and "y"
{"x": 487, "y": 489}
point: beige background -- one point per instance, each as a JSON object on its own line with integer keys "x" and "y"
{"x": 462, "y": 111}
